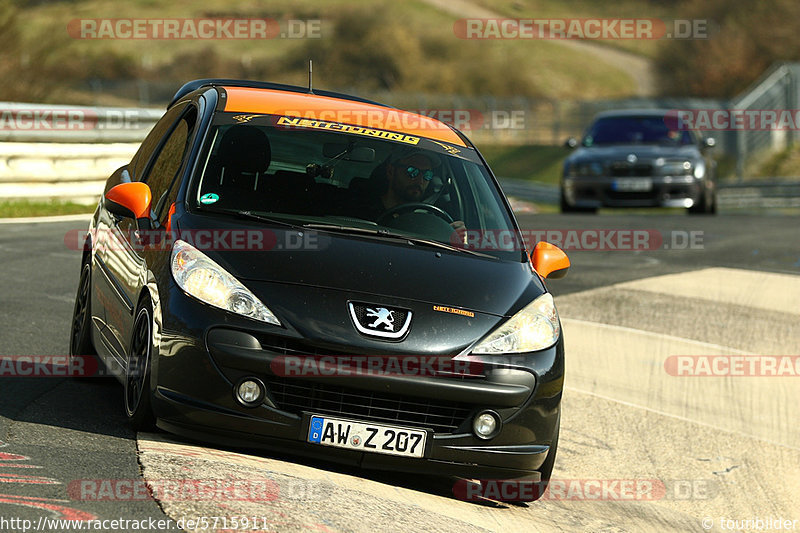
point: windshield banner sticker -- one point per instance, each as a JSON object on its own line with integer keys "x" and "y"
{"x": 346, "y": 128}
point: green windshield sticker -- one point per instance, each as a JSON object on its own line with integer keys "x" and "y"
{"x": 209, "y": 198}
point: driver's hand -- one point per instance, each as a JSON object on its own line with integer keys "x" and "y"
{"x": 461, "y": 230}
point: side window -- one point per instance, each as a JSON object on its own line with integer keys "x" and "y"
{"x": 151, "y": 142}
{"x": 163, "y": 174}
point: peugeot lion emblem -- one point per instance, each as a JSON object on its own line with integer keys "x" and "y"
{"x": 382, "y": 316}
{"x": 390, "y": 323}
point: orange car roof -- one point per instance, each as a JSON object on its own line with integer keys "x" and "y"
{"x": 316, "y": 107}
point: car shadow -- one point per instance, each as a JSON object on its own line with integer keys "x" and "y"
{"x": 441, "y": 486}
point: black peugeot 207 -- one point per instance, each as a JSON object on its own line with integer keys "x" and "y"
{"x": 316, "y": 273}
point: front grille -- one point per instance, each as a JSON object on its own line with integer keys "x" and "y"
{"x": 296, "y": 396}
{"x": 297, "y": 347}
{"x": 623, "y": 169}
{"x": 286, "y": 346}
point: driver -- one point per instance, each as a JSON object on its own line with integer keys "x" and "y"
{"x": 407, "y": 177}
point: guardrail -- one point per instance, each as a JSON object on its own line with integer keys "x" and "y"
{"x": 531, "y": 191}
{"x": 41, "y": 171}
{"x": 74, "y": 124}
{"x": 766, "y": 193}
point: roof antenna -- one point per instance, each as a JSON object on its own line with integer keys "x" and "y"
{"x": 310, "y": 71}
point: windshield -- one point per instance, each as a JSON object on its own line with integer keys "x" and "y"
{"x": 342, "y": 178}
{"x": 635, "y": 130}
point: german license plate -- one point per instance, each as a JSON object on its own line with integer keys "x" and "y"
{"x": 633, "y": 184}
{"x": 366, "y": 437}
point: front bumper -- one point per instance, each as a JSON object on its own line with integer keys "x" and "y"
{"x": 205, "y": 352}
{"x": 655, "y": 191}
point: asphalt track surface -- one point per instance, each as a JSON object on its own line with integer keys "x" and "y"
{"x": 714, "y": 448}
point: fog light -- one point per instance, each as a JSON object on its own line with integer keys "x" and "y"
{"x": 486, "y": 424}
{"x": 250, "y": 392}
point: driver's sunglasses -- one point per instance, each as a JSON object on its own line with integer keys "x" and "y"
{"x": 414, "y": 172}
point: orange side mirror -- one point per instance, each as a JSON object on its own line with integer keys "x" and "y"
{"x": 130, "y": 200}
{"x": 549, "y": 260}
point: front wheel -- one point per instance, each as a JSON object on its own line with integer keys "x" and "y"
{"x": 81, "y": 349}
{"x": 138, "y": 403}
{"x": 708, "y": 205}
{"x": 80, "y": 341}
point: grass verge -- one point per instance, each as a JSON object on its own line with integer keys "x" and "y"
{"x": 33, "y": 208}
{"x": 527, "y": 162}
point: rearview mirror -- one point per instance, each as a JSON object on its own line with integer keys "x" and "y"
{"x": 130, "y": 200}
{"x": 549, "y": 260}
{"x": 360, "y": 154}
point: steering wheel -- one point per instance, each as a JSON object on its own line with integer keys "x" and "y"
{"x": 402, "y": 208}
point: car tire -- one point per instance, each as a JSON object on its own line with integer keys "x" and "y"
{"x": 138, "y": 398}
{"x": 708, "y": 206}
{"x": 712, "y": 210}
{"x": 80, "y": 338}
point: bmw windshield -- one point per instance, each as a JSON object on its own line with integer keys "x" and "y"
{"x": 652, "y": 129}
{"x": 351, "y": 179}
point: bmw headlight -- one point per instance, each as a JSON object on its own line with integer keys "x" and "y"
{"x": 585, "y": 168}
{"x": 700, "y": 170}
{"x": 199, "y": 276}
{"x": 534, "y": 328}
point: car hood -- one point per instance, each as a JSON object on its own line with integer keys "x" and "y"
{"x": 372, "y": 267}
{"x": 641, "y": 151}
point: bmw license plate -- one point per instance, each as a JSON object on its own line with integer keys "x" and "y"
{"x": 366, "y": 437}
{"x": 633, "y": 184}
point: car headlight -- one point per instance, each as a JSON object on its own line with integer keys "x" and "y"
{"x": 700, "y": 170}
{"x": 534, "y": 328}
{"x": 199, "y": 276}
{"x": 584, "y": 169}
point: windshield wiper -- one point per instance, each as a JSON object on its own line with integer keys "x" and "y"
{"x": 378, "y": 232}
{"x": 250, "y": 215}
{"x": 352, "y": 229}
{"x": 451, "y": 247}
